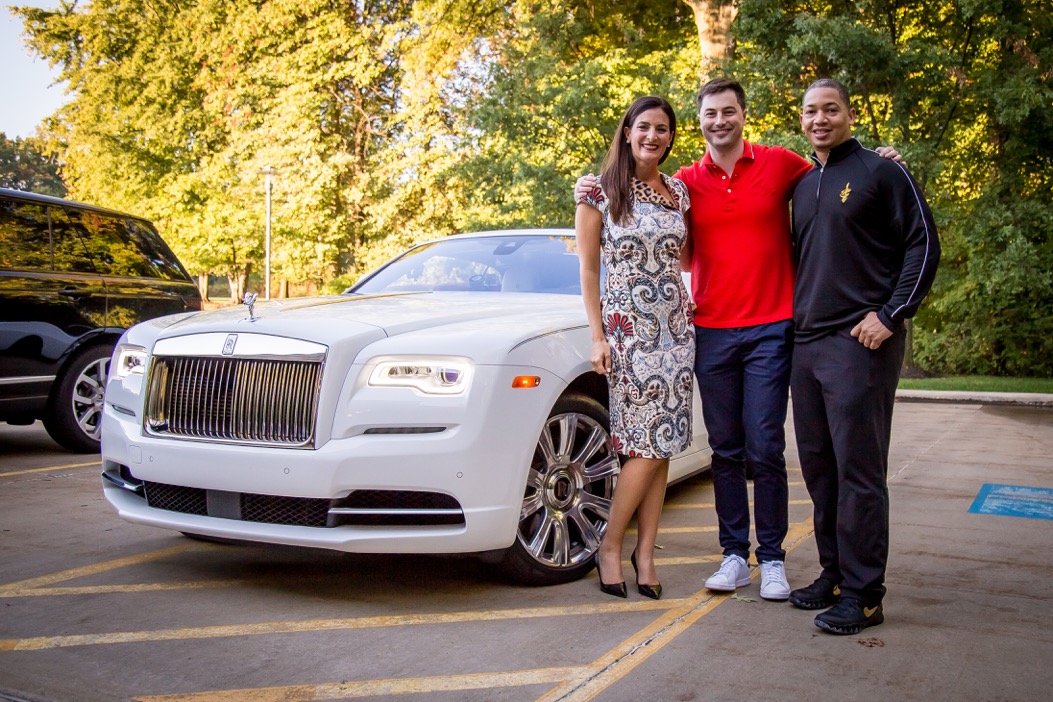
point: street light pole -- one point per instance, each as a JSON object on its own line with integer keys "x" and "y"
{"x": 268, "y": 172}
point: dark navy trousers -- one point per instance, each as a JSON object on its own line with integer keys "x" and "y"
{"x": 743, "y": 378}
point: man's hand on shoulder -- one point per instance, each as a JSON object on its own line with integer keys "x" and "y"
{"x": 585, "y": 185}
{"x": 890, "y": 152}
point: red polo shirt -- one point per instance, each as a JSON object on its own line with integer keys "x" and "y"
{"x": 742, "y": 265}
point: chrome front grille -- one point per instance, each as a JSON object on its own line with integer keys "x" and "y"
{"x": 262, "y": 401}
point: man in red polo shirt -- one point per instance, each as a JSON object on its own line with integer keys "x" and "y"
{"x": 742, "y": 283}
{"x": 742, "y": 280}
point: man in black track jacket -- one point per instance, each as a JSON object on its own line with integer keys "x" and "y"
{"x": 867, "y": 252}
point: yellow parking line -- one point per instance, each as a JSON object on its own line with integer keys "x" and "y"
{"x": 113, "y": 589}
{"x": 624, "y": 658}
{"x": 576, "y": 684}
{"x": 19, "y": 590}
{"x": 97, "y": 464}
{"x": 92, "y": 569}
{"x": 310, "y": 625}
{"x": 372, "y": 688}
{"x": 685, "y": 560}
{"x": 681, "y": 530}
{"x": 619, "y": 661}
{"x": 710, "y": 505}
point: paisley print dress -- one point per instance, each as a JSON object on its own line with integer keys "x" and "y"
{"x": 647, "y": 321}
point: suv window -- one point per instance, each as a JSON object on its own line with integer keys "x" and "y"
{"x": 107, "y": 244}
{"x": 70, "y": 252}
{"x": 124, "y": 247}
{"x": 24, "y": 240}
{"x": 154, "y": 251}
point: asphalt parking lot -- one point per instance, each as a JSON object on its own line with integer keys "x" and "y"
{"x": 93, "y": 608}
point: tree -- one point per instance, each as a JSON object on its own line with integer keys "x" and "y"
{"x": 962, "y": 89}
{"x": 178, "y": 107}
{"x": 548, "y": 86}
{"x": 391, "y": 121}
{"x": 134, "y": 124}
{"x": 24, "y": 166}
{"x": 715, "y": 39}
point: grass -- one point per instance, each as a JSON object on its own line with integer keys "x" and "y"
{"x": 979, "y": 383}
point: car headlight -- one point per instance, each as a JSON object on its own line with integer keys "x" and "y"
{"x": 432, "y": 376}
{"x": 131, "y": 360}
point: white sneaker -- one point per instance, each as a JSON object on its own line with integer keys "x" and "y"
{"x": 733, "y": 574}
{"x": 773, "y": 581}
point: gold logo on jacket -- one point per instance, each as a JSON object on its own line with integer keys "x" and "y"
{"x": 846, "y": 192}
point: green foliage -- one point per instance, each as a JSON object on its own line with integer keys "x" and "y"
{"x": 390, "y": 122}
{"x": 387, "y": 122}
{"x": 991, "y": 312}
{"x": 178, "y": 108}
{"x": 24, "y": 165}
{"x": 558, "y": 77}
{"x": 963, "y": 90}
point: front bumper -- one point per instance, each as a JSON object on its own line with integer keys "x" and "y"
{"x": 480, "y": 459}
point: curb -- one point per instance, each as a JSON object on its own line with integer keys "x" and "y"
{"x": 1023, "y": 399}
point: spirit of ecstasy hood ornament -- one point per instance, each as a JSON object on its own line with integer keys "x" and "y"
{"x": 250, "y": 300}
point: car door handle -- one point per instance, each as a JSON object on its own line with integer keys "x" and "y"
{"x": 75, "y": 293}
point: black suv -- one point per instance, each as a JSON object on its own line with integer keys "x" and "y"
{"x": 72, "y": 278}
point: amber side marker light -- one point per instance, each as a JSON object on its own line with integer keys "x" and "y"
{"x": 526, "y": 381}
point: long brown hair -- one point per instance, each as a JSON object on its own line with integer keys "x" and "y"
{"x": 619, "y": 165}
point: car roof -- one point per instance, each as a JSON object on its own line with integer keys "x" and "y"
{"x": 27, "y": 196}
{"x": 505, "y": 233}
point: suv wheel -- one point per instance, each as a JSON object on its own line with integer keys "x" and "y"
{"x": 74, "y": 416}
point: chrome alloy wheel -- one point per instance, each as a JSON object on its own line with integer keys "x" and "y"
{"x": 74, "y": 414}
{"x": 569, "y": 488}
{"x": 87, "y": 398}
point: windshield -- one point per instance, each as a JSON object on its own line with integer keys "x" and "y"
{"x": 531, "y": 263}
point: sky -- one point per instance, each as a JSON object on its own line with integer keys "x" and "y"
{"x": 29, "y": 93}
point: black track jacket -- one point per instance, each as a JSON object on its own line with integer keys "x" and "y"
{"x": 864, "y": 240}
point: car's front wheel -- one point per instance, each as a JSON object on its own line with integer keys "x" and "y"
{"x": 74, "y": 413}
{"x": 568, "y": 495}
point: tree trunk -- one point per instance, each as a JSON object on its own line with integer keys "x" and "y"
{"x": 238, "y": 282}
{"x": 908, "y": 356}
{"x": 202, "y": 286}
{"x": 713, "y": 19}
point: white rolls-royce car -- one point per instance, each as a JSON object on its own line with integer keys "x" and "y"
{"x": 443, "y": 404}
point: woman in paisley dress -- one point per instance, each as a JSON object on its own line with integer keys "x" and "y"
{"x": 642, "y": 336}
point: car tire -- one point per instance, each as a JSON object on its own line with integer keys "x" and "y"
{"x": 74, "y": 413}
{"x": 567, "y": 498}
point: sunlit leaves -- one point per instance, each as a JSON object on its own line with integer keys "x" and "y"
{"x": 963, "y": 90}
{"x": 390, "y": 122}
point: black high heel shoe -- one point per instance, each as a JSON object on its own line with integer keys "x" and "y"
{"x": 652, "y": 591}
{"x": 615, "y": 589}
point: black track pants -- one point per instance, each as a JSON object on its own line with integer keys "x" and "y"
{"x": 842, "y": 395}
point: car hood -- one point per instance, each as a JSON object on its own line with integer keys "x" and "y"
{"x": 477, "y": 324}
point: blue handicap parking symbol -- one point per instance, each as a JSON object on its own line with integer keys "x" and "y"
{"x": 1014, "y": 501}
